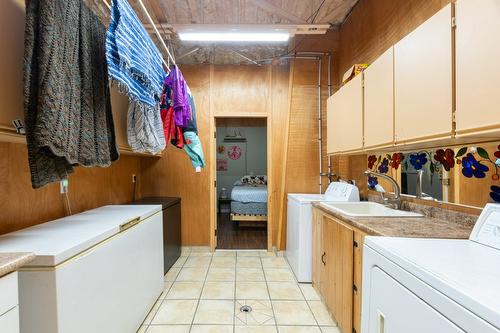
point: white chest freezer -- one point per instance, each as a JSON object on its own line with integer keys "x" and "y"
{"x": 98, "y": 271}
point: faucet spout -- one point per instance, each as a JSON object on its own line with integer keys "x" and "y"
{"x": 395, "y": 187}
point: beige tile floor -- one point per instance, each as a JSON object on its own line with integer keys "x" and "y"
{"x": 204, "y": 293}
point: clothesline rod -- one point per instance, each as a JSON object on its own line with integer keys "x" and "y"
{"x": 245, "y": 57}
{"x": 155, "y": 29}
{"x": 107, "y": 4}
{"x": 145, "y": 10}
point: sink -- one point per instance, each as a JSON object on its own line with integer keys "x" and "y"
{"x": 368, "y": 209}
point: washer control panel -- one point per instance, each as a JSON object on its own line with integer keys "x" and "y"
{"x": 487, "y": 228}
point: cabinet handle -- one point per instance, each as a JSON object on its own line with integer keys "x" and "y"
{"x": 381, "y": 322}
{"x": 323, "y": 258}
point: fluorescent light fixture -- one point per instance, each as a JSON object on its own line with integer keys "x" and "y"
{"x": 234, "y": 36}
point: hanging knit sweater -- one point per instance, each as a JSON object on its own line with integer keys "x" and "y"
{"x": 66, "y": 94}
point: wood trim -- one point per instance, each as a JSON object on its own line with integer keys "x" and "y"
{"x": 212, "y": 163}
{"x": 479, "y": 130}
{"x": 270, "y": 180}
{"x": 285, "y": 157}
{"x": 10, "y": 135}
{"x": 444, "y": 205}
{"x": 241, "y": 217}
{"x": 439, "y": 204}
{"x": 379, "y": 146}
{"x": 425, "y": 138}
{"x": 213, "y": 172}
{"x": 354, "y": 151}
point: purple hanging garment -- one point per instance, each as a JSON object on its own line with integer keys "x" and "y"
{"x": 180, "y": 99}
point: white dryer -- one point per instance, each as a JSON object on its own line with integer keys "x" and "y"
{"x": 434, "y": 285}
{"x": 299, "y": 225}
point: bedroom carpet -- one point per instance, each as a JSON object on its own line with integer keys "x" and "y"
{"x": 229, "y": 236}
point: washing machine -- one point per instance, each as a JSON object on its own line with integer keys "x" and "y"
{"x": 299, "y": 225}
{"x": 416, "y": 285}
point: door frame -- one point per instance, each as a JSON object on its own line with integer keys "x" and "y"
{"x": 213, "y": 174}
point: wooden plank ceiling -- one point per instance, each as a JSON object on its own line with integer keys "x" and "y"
{"x": 331, "y": 12}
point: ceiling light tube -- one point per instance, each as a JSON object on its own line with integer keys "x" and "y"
{"x": 232, "y": 36}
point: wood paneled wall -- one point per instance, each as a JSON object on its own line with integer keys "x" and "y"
{"x": 302, "y": 157}
{"x": 220, "y": 91}
{"x": 172, "y": 175}
{"x": 21, "y": 206}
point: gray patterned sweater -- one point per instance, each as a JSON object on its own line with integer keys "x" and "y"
{"x": 66, "y": 93}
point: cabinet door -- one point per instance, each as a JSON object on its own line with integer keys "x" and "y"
{"x": 328, "y": 283}
{"x": 345, "y": 118}
{"x": 317, "y": 250}
{"x": 359, "y": 239}
{"x": 478, "y": 74}
{"x": 333, "y": 106}
{"x": 379, "y": 101}
{"x": 423, "y": 81}
{"x": 338, "y": 240}
{"x": 394, "y": 309}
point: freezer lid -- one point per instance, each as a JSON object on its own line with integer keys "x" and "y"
{"x": 56, "y": 241}
{"x": 165, "y": 202}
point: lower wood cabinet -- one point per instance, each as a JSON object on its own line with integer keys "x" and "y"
{"x": 337, "y": 269}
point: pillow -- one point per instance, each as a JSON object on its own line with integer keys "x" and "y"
{"x": 259, "y": 180}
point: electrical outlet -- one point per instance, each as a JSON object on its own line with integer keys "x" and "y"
{"x": 134, "y": 178}
{"x": 64, "y": 186}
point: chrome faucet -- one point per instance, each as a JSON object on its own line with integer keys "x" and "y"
{"x": 418, "y": 189}
{"x": 396, "y": 201}
{"x": 419, "y": 194}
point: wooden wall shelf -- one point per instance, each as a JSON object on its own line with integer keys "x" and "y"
{"x": 10, "y": 135}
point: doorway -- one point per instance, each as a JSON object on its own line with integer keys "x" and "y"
{"x": 241, "y": 186}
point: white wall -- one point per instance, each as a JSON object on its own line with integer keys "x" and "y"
{"x": 254, "y": 162}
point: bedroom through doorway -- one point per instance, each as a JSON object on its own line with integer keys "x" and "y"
{"x": 241, "y": 183}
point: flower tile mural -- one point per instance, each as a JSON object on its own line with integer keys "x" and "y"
{"x": 474, "y": 163}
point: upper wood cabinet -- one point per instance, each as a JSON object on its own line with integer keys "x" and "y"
{"x": 423, "y": 81}
{"x": 478, "y": 74}
{"x": 345, "y": 118}
{"x": 379, "y": 101}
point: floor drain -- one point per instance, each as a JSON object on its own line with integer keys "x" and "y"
{"x": 246, "y": 308}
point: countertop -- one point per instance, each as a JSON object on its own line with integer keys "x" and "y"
{"x": 12, "y": 261}
{"x": 413, "y": 227}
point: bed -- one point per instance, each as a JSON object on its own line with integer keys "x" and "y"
{"x": 249, "y": 203}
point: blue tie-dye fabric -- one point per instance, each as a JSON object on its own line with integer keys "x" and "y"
{"x": 133, "y": 59}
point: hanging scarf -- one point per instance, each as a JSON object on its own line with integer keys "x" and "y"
{"x": 66, "y": 94}
{"x": 133, "y": 59}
